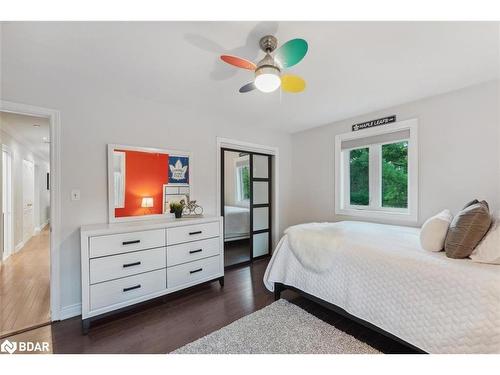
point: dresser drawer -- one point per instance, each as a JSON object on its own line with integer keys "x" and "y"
{"x": 193, "y": 271}
{"x": 187, "y": 252}
{"x": 192, "y": 233}
{"x": 122, "y": 265}
{"x": 128, "y": 288}
{"x": 126, "y": 242}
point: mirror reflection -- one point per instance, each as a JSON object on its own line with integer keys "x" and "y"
{"x": 236, "y": 207}
{"x": 145, "y": 181}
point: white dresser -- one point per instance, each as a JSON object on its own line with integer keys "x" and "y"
{"x": 127, "y": 263}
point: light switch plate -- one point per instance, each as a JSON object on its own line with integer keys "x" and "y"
{"x": 75, "y": 195}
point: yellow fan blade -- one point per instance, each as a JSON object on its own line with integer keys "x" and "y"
{"x": 292, "y": 83}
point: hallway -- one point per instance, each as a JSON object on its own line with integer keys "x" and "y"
{"x": 25, "y": 286}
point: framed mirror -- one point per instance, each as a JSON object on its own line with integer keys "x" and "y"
{"x": 143, "y": 181}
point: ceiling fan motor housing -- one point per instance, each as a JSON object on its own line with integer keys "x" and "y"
{"x": 268, "y": 43}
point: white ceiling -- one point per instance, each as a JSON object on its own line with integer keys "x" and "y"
{"x": 20, "y": 127}
{"x": 351, "y": 68}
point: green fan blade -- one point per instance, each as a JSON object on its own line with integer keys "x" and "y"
{"x": 291, "y": 53}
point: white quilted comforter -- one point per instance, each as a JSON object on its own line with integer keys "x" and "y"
{"x": 382, "y": 276}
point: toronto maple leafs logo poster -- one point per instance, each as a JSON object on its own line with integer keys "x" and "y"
{"x": 178, "y": 170}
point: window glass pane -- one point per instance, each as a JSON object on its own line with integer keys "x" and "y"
{"x": 359, "y": 177}
{"x": 260, "y": 192}
{"x": 260, "y": 166}
{"x": 395, "y": 175}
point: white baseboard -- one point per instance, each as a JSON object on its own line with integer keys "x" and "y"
{"x": 40, "y": 228}
{"x": 71, "y": 311}
{"x": 19, "y": 246}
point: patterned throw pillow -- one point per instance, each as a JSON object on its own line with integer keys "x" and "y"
{"x": 467, "y": 229}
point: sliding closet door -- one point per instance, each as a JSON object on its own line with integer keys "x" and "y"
{"x": 260, "y": 204}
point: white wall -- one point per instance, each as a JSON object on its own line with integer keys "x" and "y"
{"x": 19, "y": 152}
{"x": 458, "y": 154}
{"x": 95, "y": 113}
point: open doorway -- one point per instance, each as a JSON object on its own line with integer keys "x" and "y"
{"x": 25, "y": 261}
{"x": 7, "y": 197}
{"x": 246, "y": 204}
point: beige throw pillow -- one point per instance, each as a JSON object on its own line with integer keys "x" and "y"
{"x": 467, "y": 229}
{"x": 488, "y": 250}
{"x": 434, "y": 230}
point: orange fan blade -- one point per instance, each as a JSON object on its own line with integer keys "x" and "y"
{"x": 239, "y": 62}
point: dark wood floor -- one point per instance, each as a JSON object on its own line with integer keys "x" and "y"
{"x": 162, "y": 326}
{"x": 236, "y": 252}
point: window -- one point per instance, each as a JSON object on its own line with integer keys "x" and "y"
{"x": 242, "y": 179}
{"x": 377, "y": 172}
{"x": 359, "y": 176}
{"x": 395, "y": 175}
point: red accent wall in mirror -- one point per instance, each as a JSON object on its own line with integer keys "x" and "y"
{"x": 145, "y": 174}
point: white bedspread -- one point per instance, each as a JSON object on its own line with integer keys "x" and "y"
{"x": 381, "y": 275}
{"x": 236, "y": 222}
{"x": 314, "y": 244}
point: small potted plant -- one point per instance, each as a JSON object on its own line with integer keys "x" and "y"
{"x": 177, "y": 208}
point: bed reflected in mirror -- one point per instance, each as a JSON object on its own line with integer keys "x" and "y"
{"x": 236, "y": 197}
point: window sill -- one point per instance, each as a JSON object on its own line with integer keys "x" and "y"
{"x": 407, "y": 217}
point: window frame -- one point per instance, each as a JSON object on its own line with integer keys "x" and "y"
{"x": 375, "y": 210}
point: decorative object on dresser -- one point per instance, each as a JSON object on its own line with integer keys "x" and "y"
{"x": 192, "y": 209}
{"x": 177, "y": 208}
{"x": 124, "y": 264}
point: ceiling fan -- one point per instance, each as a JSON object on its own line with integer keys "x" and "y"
{"x": 268, "y": 77}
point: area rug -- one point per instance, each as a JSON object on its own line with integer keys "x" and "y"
{"x": 281, "y": 327}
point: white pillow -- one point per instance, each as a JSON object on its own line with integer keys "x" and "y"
{"x": 434, "y": 230}
{"x": 488, "y": 250}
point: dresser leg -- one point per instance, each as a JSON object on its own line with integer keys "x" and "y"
{"x": 85, "y": 326}
{"x": 221, "y": 281}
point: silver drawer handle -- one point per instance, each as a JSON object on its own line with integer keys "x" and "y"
{"x": 198, "y": 270}
{"x": 131, "y": 264}
{"x": 132, "y": 288}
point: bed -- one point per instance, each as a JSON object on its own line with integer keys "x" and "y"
{"x": 236, "y": 223}
{"x": 382, "y": 278}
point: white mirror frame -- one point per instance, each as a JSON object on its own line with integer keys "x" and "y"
{"x": 111, "y": 190}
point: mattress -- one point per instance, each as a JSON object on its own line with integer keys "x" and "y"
{"x": 236, "y": 222}
{"x": 383, "y": 276}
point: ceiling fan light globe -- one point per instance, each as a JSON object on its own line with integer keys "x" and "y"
{"x": 267, "y": 79}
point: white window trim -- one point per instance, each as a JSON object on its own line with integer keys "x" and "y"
{"x": 342, "y": 187}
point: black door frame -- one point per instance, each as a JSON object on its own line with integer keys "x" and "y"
{"x": 251, "y": 206}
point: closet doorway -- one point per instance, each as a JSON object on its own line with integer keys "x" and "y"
{"x": 246, "y": 204}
